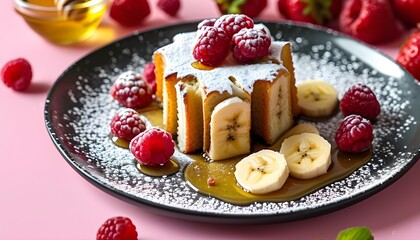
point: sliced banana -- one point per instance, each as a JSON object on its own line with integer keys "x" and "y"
{"x": 317, "y": 98}
{"x": 230, "y": 128}
{"x": 308, "y": 155}
{"x": 262, "y": 172}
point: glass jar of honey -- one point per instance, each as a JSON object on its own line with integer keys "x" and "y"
{"x": 62, "y": 21}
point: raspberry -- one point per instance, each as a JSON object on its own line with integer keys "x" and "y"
{"x": 152, "y": 147}
{"x": 206, "y": 23}
{"x": 117, "y": 228}
{"x": 149, "y": 75}
{"x": 127, "y": 124}
{"x": 131, "y": 91}
{"x": 17, "y": 74}
{"x": 233, "y": 23}
{"x": 212, "y": 46}
{"x": 250, "y": 44}
{"x": 129, "y": 13}
{"x": 171, "y": 7}
{"x": 237, "y": 54}
{"x": 360, "y": 99}
{"x": 355, "y": 134}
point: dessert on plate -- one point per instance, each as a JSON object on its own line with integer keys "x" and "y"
{"x": 216, "y": 108}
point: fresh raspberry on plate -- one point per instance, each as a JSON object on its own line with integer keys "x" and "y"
{"x": 17, "y": 74}
{"x": 153, "y": 147}
{"x": 127, "y": 124}
{"x": 170, "y": 7}
{"x": 117, "y": 228}
{"x": 251, "y": 8}
{"x": 371, "y": 21}
{"x": 409, "y": 55}
{"x": 250, "y": 44}
{"x": 150, "y": 76}
{"x": 129, "y": 13}
{"x": 206, "y": 23}
{"x": 131, "y": 91}
{"x": 212, "y": 47}
{"x": 355, "y": 134}
{"x": 233, "y": 23}
{"x": 361, "y": 100}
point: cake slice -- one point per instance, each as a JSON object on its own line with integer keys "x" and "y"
{"x": 271, "y": 107}
{"x": 190, "y": 116}
{"x": 287, "y": 61}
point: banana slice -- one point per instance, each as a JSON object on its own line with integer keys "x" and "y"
{"x": 230, "y": 128}
{"x": 308, "y": 155}
{"x": 317, "y": 98}
{"x": 262, "y": 172}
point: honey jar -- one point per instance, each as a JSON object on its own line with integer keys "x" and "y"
{"x": 62, "y": 21}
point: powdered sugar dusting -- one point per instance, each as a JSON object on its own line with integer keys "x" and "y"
{"x": 83, "y": 129}
{"x": 179, "y": 58}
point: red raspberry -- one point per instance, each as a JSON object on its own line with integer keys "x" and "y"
{"x": 355, "y": 134}
{"x": 152, "y": 147}
{"x": 117, "y": 228}
{"x": 171, "y": 7}
{"x": 150, "y": 76}
{"x": 17, "y": 74}
{"x": 233, "y": 23}
{"x": 206, "y": 23}
{"x": 250, "y": 44}
{"x": 360, "y": 99}
{"x": 127, "y": 124}
{"x": 129, "y": 13}
{"x": 131, "y": 91}
{"x": 212, "y": 46}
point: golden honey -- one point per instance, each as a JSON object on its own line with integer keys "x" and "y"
{"x": 72, "y": 23}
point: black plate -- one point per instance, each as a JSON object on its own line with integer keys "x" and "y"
{"x": 79, "y": 108}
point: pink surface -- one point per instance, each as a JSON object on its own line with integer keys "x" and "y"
{"x": 42, "y": 197}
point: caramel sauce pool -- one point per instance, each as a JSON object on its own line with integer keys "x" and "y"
{"x": 225, "y": 188}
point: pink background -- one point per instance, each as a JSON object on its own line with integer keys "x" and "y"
{"x": 42, "y": 197}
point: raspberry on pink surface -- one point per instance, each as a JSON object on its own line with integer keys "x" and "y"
{"x": 117, "y": 228}
{"x": 170, "y": 7}
{"x": 17, "y": 74}
{"x": 150, "y": 76}
{"x": 361, "y": 100}
{"x": 153, "y": 147}
{"x": 212, "y": 47}
{"x": 355, "y": 134}
{"x": 250, "y": 44}
{"x": 129, "y": 13}
{"x": 127, "y": 124}
{"x": 233, "y": 23}
{"x": 131, "y": 91}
